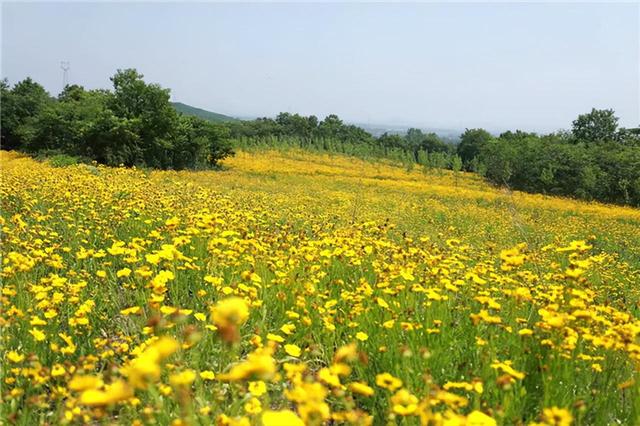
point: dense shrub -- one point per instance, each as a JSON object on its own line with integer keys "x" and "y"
{"x": 588, "y": 163}
{"x": 63, "y": 160}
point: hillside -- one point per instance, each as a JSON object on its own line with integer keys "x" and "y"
{"x": 316, "y": 283}
{"x": 201, "y": 113}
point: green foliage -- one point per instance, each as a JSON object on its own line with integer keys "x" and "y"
{"x": 135, "y": 124}
{"x": 333, "y": 135}
{"x": 558, "y": 164}
{"x": 477, "y": 166}
{"x": 63, "y": 160}
{"x": 19, "y": 106}
{"x": 200, "y": 142}
{"x": 596, "y": 126}
{"x": 472, "y": 141}
{"x": 456, "y": 163}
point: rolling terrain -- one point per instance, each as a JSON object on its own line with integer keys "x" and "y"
{"x": 294, "y": 288}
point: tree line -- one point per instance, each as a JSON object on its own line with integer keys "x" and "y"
{"x": 135, "y": 125}
{"x": 333, "y": 135}
{"x": 595, "y": 160}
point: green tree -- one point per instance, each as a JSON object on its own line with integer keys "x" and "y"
{"x": 547, "y": 178}
{"x": 149, "y": 106}
{"x": 597, "y": 125}
{"x": 330, "y": 126}
{"x": 20, "y": 104}
{"x": 390, "y": 142}
{"x": 431, "y": 142}
{"x": 133, "y": 125}
{"x": 200, "y": 143}
{"x": 472, "y": 141}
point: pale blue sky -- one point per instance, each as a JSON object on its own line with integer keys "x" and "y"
{"x": 495, "y": 65}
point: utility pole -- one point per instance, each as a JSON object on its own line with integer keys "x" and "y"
{"x": 65, "y": 65}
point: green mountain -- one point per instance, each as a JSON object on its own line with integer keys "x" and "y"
{"x": 202, "y": 113}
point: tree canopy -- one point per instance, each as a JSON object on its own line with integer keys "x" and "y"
{"x": 596, "y": 161}
{"x": 596, "y": 126}
{"x": 134, "y": 124}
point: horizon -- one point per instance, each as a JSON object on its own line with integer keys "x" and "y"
{"x": 533, "y": 67}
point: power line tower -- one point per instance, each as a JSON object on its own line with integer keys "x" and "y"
{"x": 65, "y": 65}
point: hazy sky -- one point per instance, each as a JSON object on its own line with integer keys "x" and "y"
{"x": 496, "y": 65}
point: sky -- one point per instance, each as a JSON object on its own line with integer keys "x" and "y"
{"x": 529, "y": 66}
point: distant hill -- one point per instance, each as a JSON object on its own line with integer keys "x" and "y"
{"x": 202, "y": 113}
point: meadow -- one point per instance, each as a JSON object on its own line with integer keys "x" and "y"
{"x": 294, "y": 288}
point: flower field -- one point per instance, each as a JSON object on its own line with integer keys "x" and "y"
{"x": 298, "y": 288}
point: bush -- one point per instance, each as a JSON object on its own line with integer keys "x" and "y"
{"x": 63, "y": 160}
